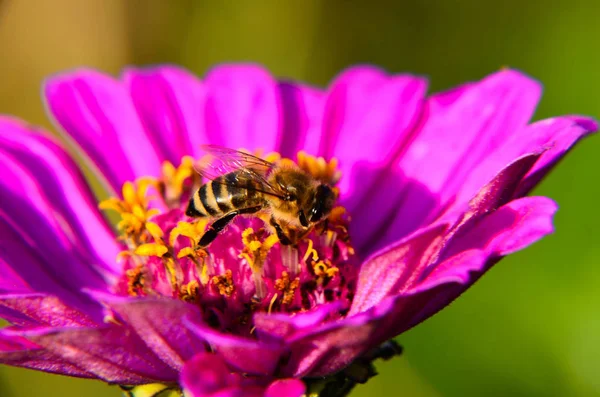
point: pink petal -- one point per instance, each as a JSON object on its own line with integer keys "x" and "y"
{"x": 242, "y": 108}
{"x": 97, "y": 112}
{"x": 111, "y": 353}
{"x": 328, "y": 348}
{"x": 459, "y": 131}
{"x": 302, "y": 111}
{"x": 275, "y": 327}
{"x": 240, "y": 353}
{"x": 369, "y": 118}
{"x": 469, "y": 255}
{"x": 387, "y": 271}
{"x": 287, "y": 388}
{"x": 170, "y": 104}
{"x": 207, "y": 375}
{"x": 513, "y": 227}
{"x": 18, "y": 352}
{"x": 45, "y": 179}
{"x": 171, "y": 342}
{"x": 554, "y": 137}
{"x": 28, "y": 310}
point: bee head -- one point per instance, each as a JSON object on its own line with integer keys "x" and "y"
{"x": 321, "y": 205}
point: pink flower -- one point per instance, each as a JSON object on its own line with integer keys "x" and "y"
{"x": 431, "y": 195}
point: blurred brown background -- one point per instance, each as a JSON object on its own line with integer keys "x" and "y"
{"x": 531, "y": 327}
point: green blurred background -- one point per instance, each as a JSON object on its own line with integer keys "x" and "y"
{"x": 531, "y": 327}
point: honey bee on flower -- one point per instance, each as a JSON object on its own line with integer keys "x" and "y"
{"x": 376, "y": 206}
{"x": 290, "y": 200}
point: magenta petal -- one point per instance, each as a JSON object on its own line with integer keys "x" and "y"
{"x": 512, "y": 227}
{"x": 469, "y": 254}
{"x": 462, "y": 127}
{"x": 275, "y": 327}
{"x": 44, "y": 268}
{"x": 45, "y": 179}
{"x": 287, "y": 388}
{"x": 558, "y": 136}
{"x": 170, "y": 103}
{"x": 390, "y": 270}
{"x": 207, "y": 375}
{"x": 302, "y": 111}
{"x": 242, "y": 108}
{"x": 554, "y": 137}
{"x": 19, "y": 352}
{"x": 28, "y": 310}
{"x": 167, "y": 338}
{"x": 97, "y": 112}
{"x": 112, "y": 353}
{"x": 240, "y": 353}
{"x": 368, "y": 108}
{"x": 326, "y": 349}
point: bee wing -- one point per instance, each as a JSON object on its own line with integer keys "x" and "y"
{"x": 223, "y": 161}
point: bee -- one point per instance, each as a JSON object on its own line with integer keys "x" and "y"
{"x": 289, "y": 200}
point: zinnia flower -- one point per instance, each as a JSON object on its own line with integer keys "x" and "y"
{"x": 431, "y": 193}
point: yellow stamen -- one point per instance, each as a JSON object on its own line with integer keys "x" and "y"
{"x": 273, "y": 299}
{"x": 324, "y": 270}
{"x": 255, "y": 251}
{"x": 193, "y": 231}
{"x": 173, "y": 181}
{"x": 187, "y": 251}
{"x": 152, "y": 390}
{"x": 310, "y": 250}
{"x": 151, "y": 249}
{"x": 189, "y": 291}
{"x": 134, "y": 211}
{"x": 336, "y": 214}
{"x": 155, "y": 231}
{"x": 272, "y": 157}
{"x": 325, "y": 171}
{"x": 136, "y": 281}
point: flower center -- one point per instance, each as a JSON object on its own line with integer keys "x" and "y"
{"x": 245, "y": 269}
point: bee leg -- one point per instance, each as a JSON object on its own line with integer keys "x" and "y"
{"x": 218, "y": 225}
{"x": 283, "y": 239}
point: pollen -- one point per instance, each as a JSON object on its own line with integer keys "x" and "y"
{"x": 189, "y": 292}
{"x": 324, "y": 270}
{"x": 136, "y": 281}
{"x": 287, "y": 287}
{"x": 224, "y": 283}
{"x": 325, "y": 171}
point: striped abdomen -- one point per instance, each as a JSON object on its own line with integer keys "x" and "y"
{"x": 223, "y": 195}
